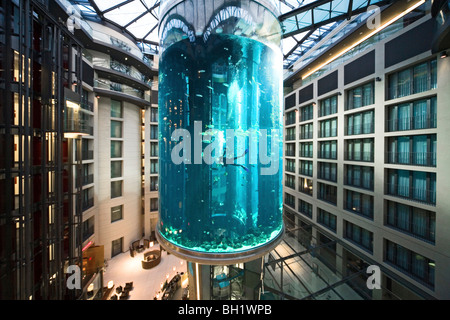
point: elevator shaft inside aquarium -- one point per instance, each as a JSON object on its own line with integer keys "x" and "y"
{"x": 220, "y": 123}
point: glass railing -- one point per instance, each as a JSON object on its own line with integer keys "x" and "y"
{"x": 114, "y": 86}
{"x": 120, "y": 67}
{"x": 121, "y": 45}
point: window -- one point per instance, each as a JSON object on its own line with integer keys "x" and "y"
{"x": 305, "y": 186}
{"x": 291, "y": 117}
{"x": 87, "y": 198}
{"x": 305, "y": 208}
{"x": 358, "y": 235}
{"x": 417, "y": 150}
{"x": 306, "y": 131}
{"x": 360, "y": 96}
{"x": 116, "y": 109}
{"x": 360, "y": 123}
{"x": 359, "y": 150}
{"x": 306, "y": 149}
{"x": 290, "y": 134}
{"x": 419, "y": 78}
{"x": 116, "y": 247}
{"x": 328, "y": 171}
{"x": 116, "y": 129}
{"x": 417, "y": 222}
{"x": 328, "y": 106}
{"x": 416, "y": 115}
{"x": 307, "y": 113}
{"x": 154, "y": 204}
{"x": 411, "y": 263}
{"x": 306, "y": 168}
{"x": 328, "y": 128}
{"x": 327, "y": 193}
{"x": 289, "y": 200}
{"x": 116, "y": 189}
{"x": 116, "y": 149}
{"x": 328, "y": 149}
{"x": 359, "y": 203}
{"x": 88, "y": 228}
{"x": 359, "y": 176}
{"x": 326, "y": 219}
{"x": 153, "y": 132}
{"x": 153, "y": 114}
{"x": 290, "y": 149}
{"x": 153, "y": 183}
{"x": 153, "y": 166}
{"x": 290, "y": 165}
{"x": 116, "y": 169}
{"x": 413, "y": 185}
{"x": 153, "y": 149}
{"x": 289, "y": 181}
{"x": 116, "y": 213}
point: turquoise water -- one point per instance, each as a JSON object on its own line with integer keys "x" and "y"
{"x": 232, "y": 83}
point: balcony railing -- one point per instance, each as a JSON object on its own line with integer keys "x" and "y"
{"x": 86, "y": 155}
{"x": 290, "y": 153}
{"x": 330, "y": 177}
{"x": 88, "y": 179}
{"x": 290, "y": 137}
{"x": 411, "y": 193}
{"x": 426, "y": 159}
{"x": 361, "y": 209}
{"x": 412, "y": 123}
{"x": 364, "y": 128}
{"x": 290, "y": 168}
{"x": 306, "y": 154}
{"x": 327, "y": 154}
{"x": 306, "y": 135}
{"x": 366, "y": 156}
{"x": 328, "y": 133}
{"x": 306, "y": 172}
{"x": 89, "y": 203}
{"x": 89, "y": 106}
{"x": 290, "y": 204}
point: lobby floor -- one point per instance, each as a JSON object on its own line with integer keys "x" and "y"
{"x": 146, "y": 283}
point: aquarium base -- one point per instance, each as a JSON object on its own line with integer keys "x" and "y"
{"x": 219, "y": 258}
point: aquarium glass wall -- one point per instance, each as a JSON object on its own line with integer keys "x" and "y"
{"x": 220, "y": 116}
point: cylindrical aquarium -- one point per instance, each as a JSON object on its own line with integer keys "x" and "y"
{"x": 220, "y": 129}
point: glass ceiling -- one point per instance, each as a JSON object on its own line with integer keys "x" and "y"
{"x": 305, "y": 22}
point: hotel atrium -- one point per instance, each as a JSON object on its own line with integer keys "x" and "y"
{"x": 126, "y": 172}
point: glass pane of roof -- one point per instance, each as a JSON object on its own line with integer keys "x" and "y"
{"x": 141, "y": 27}
{"x": 339, "y": 7}
{"x": 106, "y": 4}
{"x": 126, "y": 13}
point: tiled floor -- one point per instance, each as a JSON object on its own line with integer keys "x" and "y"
{"x": 123, "y": 268}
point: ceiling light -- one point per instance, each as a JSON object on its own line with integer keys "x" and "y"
{"x": 444, "y": 54}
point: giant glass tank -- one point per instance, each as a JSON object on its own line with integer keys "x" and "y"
{"x": 220, "y": 130}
